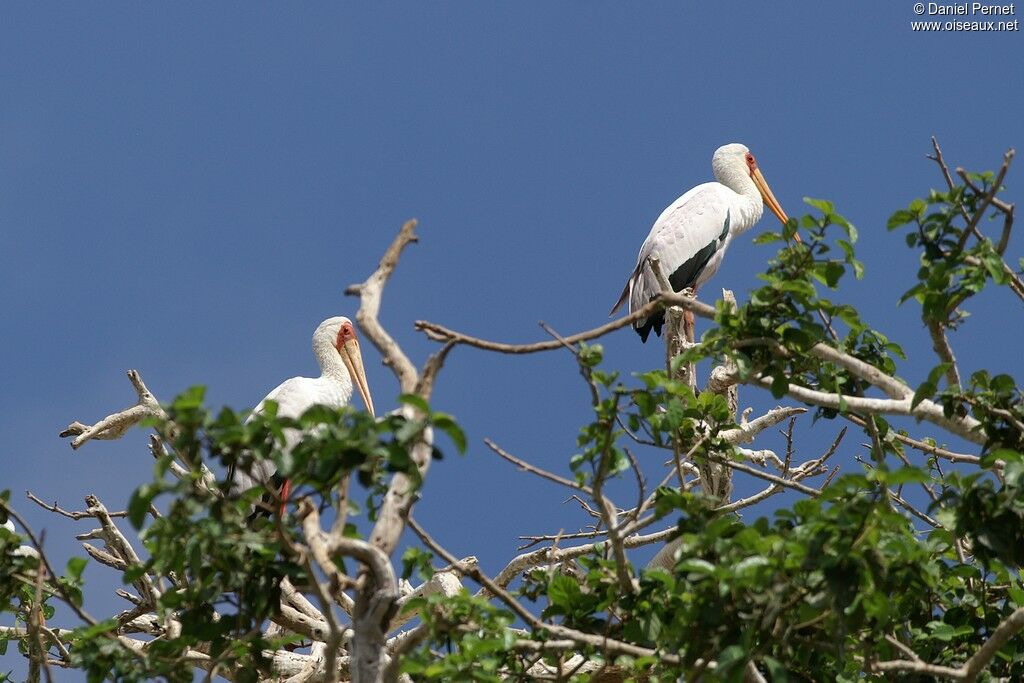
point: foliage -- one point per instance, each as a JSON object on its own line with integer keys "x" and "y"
{"x": 847, "y": 576}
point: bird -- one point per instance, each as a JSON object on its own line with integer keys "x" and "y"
{"x": 691, "y": 236}
{"x": 336, "y": 348}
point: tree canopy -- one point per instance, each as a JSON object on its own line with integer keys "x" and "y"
{"x": 906, "y": 568}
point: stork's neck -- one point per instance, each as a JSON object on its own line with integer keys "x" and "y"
{"x": 331, "y": 367}
{"x": 750, "y": 203}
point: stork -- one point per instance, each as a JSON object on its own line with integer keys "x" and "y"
{"x": 341, "y": 366}
{"x": 690, "y": 236}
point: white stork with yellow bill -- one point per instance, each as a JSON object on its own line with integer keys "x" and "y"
{"x": 691, "y": 236}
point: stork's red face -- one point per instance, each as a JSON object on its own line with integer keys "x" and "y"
{"x": 766, "y": 192}
{"x": 348, "y": 348}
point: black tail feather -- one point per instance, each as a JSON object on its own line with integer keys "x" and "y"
{"x": 654, "y": 321}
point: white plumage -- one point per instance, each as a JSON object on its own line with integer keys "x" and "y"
{"x": 337, "y": 352}
{"x": 691, "y": 236}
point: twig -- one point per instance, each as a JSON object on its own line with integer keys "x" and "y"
{"x": 923, "y": 446}
{"x": 533, "y": 469}
{"x": 425, "y": 385}
{"x": 788, "y": 483}
{"x": 660, "y": 301}
{"x": 938, "y": 158}
{"x": 987, "y": 197}
{"x": 72, "y": 514}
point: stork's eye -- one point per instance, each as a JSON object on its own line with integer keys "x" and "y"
{"x": 750, "y": 161}
{"x": 346, "y": 333}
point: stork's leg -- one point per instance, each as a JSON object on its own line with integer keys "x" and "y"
{"x": 689, "y": 324}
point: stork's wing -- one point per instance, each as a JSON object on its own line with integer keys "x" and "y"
{"x": 289, "y": 396}
{"x": 688, "y": 239}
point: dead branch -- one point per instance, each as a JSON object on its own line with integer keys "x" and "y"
{"x": 115, "y": 425}
{"x": 71, "y": 514}
{"x": 370, "y": 293}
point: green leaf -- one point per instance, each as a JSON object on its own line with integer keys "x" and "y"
{"x": 75, "y": 567}
{"x": 901, "y": 217}
{"x": 833, "y": 271}
{"x": 415, "y": 401}
{"x": 696, "y": 566}
{"x": 994, "y": 265}
{"x": 823, "y": 205}
{"x": 591, "y": 354}
{"x": 776, "y": 671}
{"x": 780, "y": 385}
{"x": 750, "y": 564}
{"x": 563, "y": 591}
{"x": 731, "y": 658}
{"x": 768, "y": 237}
{"x": 937, "y": 372}
{"x": 190, "y": 399}
{"x": 904, "y": 475}
{"x": 925, "y": 391}
{"x": 138, "y": 506}
{"x": 447, "y": 424}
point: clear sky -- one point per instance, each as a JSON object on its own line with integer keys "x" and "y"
{"x": 187, "y": 189}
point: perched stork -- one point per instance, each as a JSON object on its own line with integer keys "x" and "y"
{"x": 690, "y": 236}
{"x": 341, "y": 365}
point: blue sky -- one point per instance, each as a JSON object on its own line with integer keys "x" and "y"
{"x": 188, "y": 189}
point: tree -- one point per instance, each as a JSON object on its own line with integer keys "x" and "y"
{"x": 907, "y": 569}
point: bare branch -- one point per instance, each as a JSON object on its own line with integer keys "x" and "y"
{"x": 445, "y": 582}
{"x": 781, "y": 481}
{"x": 443, "y": 334}
{"x": 431, "y": 368}
{"x": 945, "y": 352}
{"x": 546, "y": 556}
{"x": 938, "y": 159}
{"x": 533, "y": 469}
{"x": 746, "y": 432}
{"x": 119, "y": 546}
{"x": 399, "y": 499}
{"x": 115, "y": 425}
{"x": 966, "y": 426}
{"x": 987, "y": 197}
{"x": 894, "y": 388}
{"x": 69, "y": 513}
{"x": 924, "y": 446}
{"x": 369, "y": 293}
